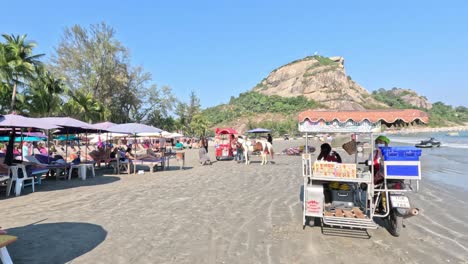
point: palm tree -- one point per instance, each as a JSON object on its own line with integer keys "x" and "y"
{"x": 17, "y": 63}
{"x": 43, "y": 95}
{"x": 83, "y": 106}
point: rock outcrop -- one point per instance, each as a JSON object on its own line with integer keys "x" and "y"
{"x": 321, "y": 79}
{"x": 411, "y": 97}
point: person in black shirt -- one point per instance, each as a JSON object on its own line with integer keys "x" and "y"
{"x": 270, "y": 139}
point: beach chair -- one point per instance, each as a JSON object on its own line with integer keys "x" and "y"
{"x": 19, "y": 182}
{"x": 6, "y": 240}
{"x": 60, "y": 169}
{"x": 122, "y": 165}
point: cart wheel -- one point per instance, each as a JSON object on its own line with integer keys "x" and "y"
{"x": 395, "y": 223}
{"x": 310, "y": 221}
{"x": 217, "y": 158}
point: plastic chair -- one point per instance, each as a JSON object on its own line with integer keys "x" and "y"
{"x": 19, "y": 181}
{"x": 122, "y": 165}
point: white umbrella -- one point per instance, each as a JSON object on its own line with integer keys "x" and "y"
{"x": 149, "y": 134}
{"x": 175, "y": 135}
{"x": 133, "y": 128}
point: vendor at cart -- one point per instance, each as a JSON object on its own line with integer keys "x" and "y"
{"x": 380, "y": 141}
{"x": 326, "y": 154}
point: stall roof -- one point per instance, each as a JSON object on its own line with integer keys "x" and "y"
{"x": 225, "y": 131}
{"x": 373, "y": 116}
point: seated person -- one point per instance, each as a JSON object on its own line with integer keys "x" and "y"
{"x": 128, "y": 154}
{"x": 42, "y": 149}
{"x": 75, "y": 157}
{"x": 327, "y": 154}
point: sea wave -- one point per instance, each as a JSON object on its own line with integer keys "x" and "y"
{"x": 415, "y": 141}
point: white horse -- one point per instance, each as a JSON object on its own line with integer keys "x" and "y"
{"x": 264, "y": 147}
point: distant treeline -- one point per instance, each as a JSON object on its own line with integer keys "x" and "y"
{"x": 439, "y": 115}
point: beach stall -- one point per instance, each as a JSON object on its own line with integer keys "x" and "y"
{"x": 353, "y": 192}
{"x": 223, "y": 148}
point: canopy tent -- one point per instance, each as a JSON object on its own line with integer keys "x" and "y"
{"x": 223, "y": 131}
{"x": 259, "y": 130}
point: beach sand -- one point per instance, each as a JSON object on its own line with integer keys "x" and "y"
{"x": 223, "y": 213}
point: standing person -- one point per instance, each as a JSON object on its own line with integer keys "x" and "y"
{"x": 205, "y": 144}
{"x": 270, "y": 139}
{"x": 380, "y": 141}
{"x": 239, "y": 152}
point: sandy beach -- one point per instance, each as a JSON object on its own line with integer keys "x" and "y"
{"x": 223, "y": 213}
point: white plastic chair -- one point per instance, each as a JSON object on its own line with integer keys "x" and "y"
{"x": 122, "y": 165}
{"x": 19, "y": 181}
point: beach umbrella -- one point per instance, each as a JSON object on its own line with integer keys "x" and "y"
{"x": 174, "y": 135}
{"x": 71, "y": 126}
{"x": 149, "y": 134}
{"x": 134, "y": 129}
{"x": 104, "y": 125}
{"x": 27, "y": 139}
{"x": 259, "y": 130}
{"x": 17, "y": 121}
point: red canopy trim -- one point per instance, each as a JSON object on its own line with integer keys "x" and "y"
{"x": 374, "y": 116}
{"x": 225, "y": 131}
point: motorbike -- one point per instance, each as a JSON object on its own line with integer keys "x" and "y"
{"x": 394, "y": 205}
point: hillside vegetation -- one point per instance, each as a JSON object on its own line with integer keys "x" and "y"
{"x": 250, "y": 104}
{"x": 440, "y": 114}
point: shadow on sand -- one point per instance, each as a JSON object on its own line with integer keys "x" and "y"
{"x": 52, "y": 184}
{"x": 54, "y": 242}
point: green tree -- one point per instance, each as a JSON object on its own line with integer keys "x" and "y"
{"x": 199, "y": 125}
{"x": 93, "y": 61}
{"x": 83, "y": 106}
{"x": 17, "y": 64}
{"x": 43, "y": 95}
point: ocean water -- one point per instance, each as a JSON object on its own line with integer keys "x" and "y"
{"x": 447, "y": 164}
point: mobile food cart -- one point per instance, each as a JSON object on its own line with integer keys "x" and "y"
{"x": 345, "y": 194}
{"x": 223, "y": 148}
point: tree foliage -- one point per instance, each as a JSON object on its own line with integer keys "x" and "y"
{"x": 17, "y": 66}
{"x": 249, "y": 103}
{"x": 94, "y": 62}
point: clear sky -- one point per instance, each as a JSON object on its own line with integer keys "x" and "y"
{"x": 222, "y": 48}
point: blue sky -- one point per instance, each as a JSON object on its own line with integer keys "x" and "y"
{"x": 222, "y": 48}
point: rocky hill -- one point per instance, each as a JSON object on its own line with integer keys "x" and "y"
{"x": 321, "y": 79}
{"x": 411, "y": 97}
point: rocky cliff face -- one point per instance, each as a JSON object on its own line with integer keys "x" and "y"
{"x": 321, "y": 79}
{"x": 411, "y": 97}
